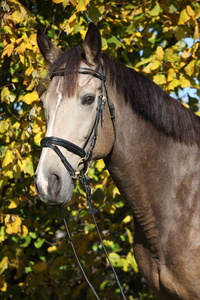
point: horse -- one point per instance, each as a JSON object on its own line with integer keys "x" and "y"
{"x": 96, "y": 107}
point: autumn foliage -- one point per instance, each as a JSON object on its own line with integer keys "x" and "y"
{"x": 159, "y": 39}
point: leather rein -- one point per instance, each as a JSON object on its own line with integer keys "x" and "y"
{"x": 85, "y": 157}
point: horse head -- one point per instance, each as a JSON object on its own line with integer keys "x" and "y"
{"x": 79, "y": 128}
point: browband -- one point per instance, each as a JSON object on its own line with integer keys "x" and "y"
{"x": 85, "y": 71}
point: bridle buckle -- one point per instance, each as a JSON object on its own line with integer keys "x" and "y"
{"x": 78, "y": 173}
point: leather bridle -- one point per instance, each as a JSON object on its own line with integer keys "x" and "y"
{"x": 85, "y": 155}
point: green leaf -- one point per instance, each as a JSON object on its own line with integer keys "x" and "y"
{"x": 25, "y": 241}
{"x": 39, "y": 242}
{"x": 114, "y": 40}
{"x": 156, "y": 10}
{"x": 29, "y": 166}
{"x": 94, "y": 13}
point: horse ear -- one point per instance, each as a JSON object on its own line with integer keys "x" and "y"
{"x": 92, "y": 44}
{"x": 49, "y": 51}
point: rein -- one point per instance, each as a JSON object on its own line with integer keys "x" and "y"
{"x": 85, "y": 156}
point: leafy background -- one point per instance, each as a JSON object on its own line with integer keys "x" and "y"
{"x": 157, "y": 38}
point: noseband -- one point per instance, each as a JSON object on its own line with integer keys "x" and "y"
{"x": 85, "y": 156}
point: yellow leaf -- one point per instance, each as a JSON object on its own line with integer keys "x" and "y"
{"x": 14, "y": 203}
{"x": 144, "y": 61}
{"x": 170, "y": 75}
{"x": 190, "y": 11}
{"x": 127, "y": 219}
{"x": 32, "y": 190}
{"x": 5, "y": 92}
{"x": 24, "y": 231}
{"x": 29, "y": 71}
{"x": 3, "y": 126}
{"x": 115, "y": 191}
{"x": 17, "y": 17}
{"x": 30, "y": 97}
{"x": 147, "y": 69}
{"x": 3, "y": 286}
{"x": 100, "y": 165}
{"x": 189, "y": 69}
{"x": 159, "y": 79}
{"x": 8, "y": 158}
{"x": 184, "y": 17}
{"x": 130, "y": 236}
{"x": 72, "y": 19}
{"x": 38, "y": 137}
{"x": 52, "y": 249}
{"x": 57, "y": 1}
{"x": 23, "y": 135}
{"x": 131, "y": 261}
{"x": 156, "y": 65}
{"x": 16, "y": 125}
{"x": 82, "y": 5}
{"x": 8, "y": 50}
{"x": 174, "y": 83}
{"x": 22, "y": 59}
{"x": 39, "y": 122}
{"x": 197, "y": 10}
{"x": 22, "y": 48}
{"x": 159, "y": 53}
{"x": 13, "y": 224}
{"x": 31, "y": 86}
{"x": 18, "y": 154}
{"x": 73, "y": 2}
{"x": 184, "y": 82}
{"x": 16, "y": 225}
{"x": 33, "y": 39}
{"x": 4, "y": 264}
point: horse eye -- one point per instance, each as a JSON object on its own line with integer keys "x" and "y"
{"x": 88, "y": 99}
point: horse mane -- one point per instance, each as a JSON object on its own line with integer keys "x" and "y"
{"x": 146, "y": 98}
{"x": 150, "y": 102}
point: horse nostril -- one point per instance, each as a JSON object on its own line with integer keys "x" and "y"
{"x": 54, "y": 185}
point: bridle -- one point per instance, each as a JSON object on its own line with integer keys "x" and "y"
{"x": 85, "y": 157}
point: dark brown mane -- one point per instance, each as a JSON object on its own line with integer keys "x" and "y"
{"x": 146, "y": 98}
{"x": 150, "y": 102}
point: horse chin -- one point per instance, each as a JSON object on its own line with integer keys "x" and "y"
{"x": 59, "y": 200}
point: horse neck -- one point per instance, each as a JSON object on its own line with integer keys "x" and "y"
{"x": 148, "y": 168}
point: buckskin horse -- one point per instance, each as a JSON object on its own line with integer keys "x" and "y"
{"x": 151, "y": 151}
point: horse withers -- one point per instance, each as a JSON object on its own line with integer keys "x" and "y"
{"x": 152, "y": 153}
